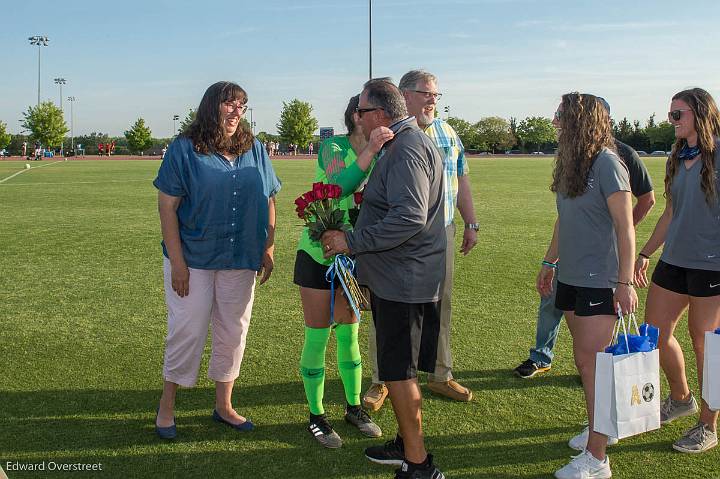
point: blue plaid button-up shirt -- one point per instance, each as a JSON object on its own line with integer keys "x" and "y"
{"x": 453, "y": 154}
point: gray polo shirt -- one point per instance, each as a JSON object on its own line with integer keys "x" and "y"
{"x": 693, "y": 236}
{"x": 587, "y": 241}
{"x": 399, "y": 239}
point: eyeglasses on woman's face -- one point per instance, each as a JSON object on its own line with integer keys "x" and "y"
{"x": 677, "y": 114}
{"x": 231, "y": 106}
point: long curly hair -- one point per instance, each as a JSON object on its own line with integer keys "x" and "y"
{"x": 707, "y": 126}
{"x": 206, "y": 131}
{"x": 584, "y": 131}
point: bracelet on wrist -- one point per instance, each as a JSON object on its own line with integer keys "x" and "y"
{"x": 643, "y": 255}
{"x": 549, "y": 264}
{"x": 628, "y": 283}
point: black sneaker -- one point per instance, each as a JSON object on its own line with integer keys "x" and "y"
{"x": 530, "y": 368}
{"x": 356, "y": 416}
{"x": 427, "y": 472}
{"x": 392, "y": 453}
{"x": 323, "y": 432}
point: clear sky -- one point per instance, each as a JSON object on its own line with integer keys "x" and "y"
{"x": 155, "y": 58}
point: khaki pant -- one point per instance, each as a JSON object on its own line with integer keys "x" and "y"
{"x": 444, "y": 363}
{"x": 223, "y": 298}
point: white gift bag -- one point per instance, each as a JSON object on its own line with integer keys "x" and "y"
{"x": 711, "y": 371}
{"x": 627, "y": 391}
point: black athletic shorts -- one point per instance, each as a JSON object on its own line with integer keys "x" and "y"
{"x": 311, "y": 274}
{"x": 584, "y": 301}
{"x": 700, "y": 283}
{"x": 407, "y": 337}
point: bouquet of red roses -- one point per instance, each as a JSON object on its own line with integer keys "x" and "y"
{"x": 320, "y": 209}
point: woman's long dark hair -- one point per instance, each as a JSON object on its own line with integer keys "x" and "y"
{"x": 207, "y": 133}
{"x": 349, "y": 112}
{"x": 707, "y": 126}
{"x": 584, "y": 131}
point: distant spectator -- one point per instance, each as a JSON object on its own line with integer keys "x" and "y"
{"x": 101, "y": 149}
{"x": 310, "y": 148}
{"x": 24, "y": 149}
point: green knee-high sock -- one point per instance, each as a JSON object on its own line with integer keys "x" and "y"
{"x": 312, "y": 367}
{"x": 349, "y": 362}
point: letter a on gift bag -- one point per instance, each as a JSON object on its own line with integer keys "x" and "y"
{"x": 711, "y": 370}
{"x": 627, "y": 388}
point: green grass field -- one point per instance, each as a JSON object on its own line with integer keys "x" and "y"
{"x": 82, "y": 321}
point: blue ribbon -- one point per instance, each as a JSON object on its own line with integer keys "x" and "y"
{"x": 341, "y": 263}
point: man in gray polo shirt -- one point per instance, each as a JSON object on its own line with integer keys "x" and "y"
{"x": 399, "y": 243}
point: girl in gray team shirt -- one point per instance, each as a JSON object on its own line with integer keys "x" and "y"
{"x": 595, "y": 239}
{"x": 688, "y": 273}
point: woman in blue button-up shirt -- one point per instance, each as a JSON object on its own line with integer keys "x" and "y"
{"x": 217, "y": 213}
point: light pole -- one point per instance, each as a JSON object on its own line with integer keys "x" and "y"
{"x": 447, "y": 112}
{"x": 252, "y": 123}
{"x": 370, "y": 36}
{"x": 40, "y": 41}
{"x": 61, "y": 82}
{"x": 175, "y": 118}
{"x": 72, "y": 99}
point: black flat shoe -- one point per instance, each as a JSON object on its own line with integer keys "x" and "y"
{"x": 243, "y": 426}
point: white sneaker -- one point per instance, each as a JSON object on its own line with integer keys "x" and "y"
{"x": 585, "y": 466}
{"x": 579, "y": 442}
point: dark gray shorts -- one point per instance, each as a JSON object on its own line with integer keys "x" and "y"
{"x": 311, "y": 274}
{"x": 407, "y": 337}
{"x": 700, "y": 283}
{"x": 584, "y": 301}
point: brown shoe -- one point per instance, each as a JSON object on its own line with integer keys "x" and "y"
{"x": 451, "y": 389}
{"x": 375, "y": 397}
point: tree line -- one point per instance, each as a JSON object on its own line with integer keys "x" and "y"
{"x": 296, "y": 125}
{"x": 497, "y": 135}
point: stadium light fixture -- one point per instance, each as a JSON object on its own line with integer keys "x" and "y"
{"x": 40, "y": 41}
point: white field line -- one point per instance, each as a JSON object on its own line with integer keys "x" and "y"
{"x": 28, "y": 169}
{"x": 148, "y": 180}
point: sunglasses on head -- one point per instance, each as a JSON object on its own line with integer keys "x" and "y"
{"x": 676, "y": 114}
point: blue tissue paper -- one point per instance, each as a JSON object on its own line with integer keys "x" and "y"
{"x": 651, "y": 332}
{"x": 645, "y": 342}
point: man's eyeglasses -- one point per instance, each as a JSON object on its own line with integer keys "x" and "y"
{"x": 360, "y": 111}
{"x": 676, "y": 114}
{"x": 429, "y": 94}
{"x": 231, "y": 106}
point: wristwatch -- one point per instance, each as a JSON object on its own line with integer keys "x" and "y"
{"x": 472, "y": 226}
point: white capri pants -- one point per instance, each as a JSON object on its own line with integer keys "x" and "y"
{"x": 223, "y": 298}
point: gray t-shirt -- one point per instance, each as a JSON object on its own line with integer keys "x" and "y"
{"x": 399, "y": 239}
{"x": 693, "y": 236}
{"x": 587, "y": 241}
